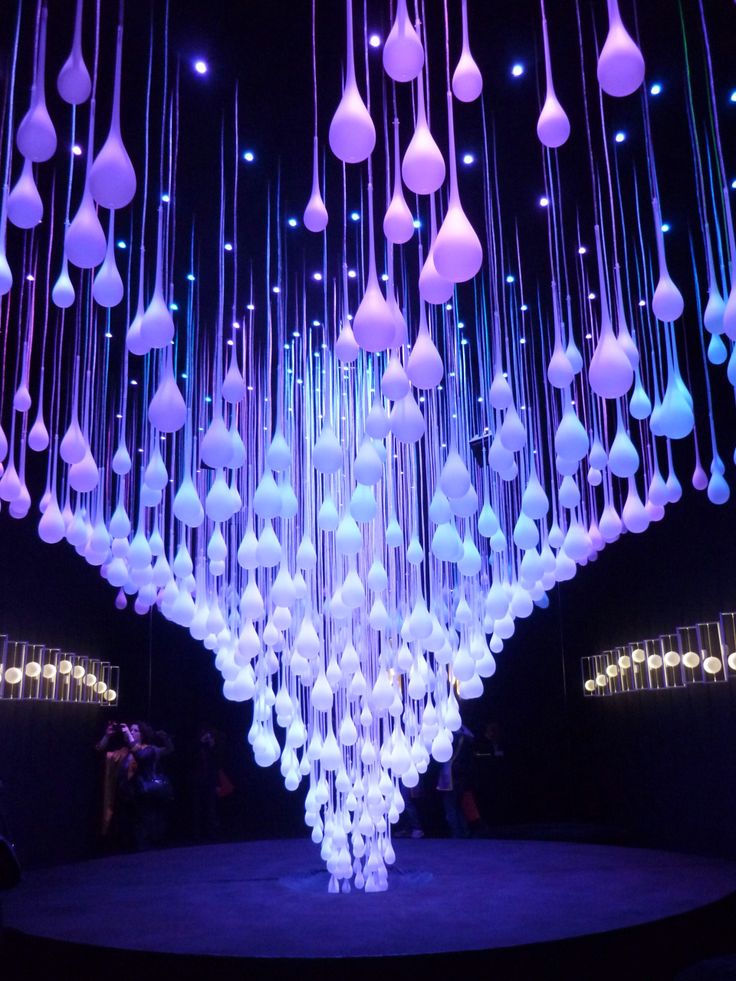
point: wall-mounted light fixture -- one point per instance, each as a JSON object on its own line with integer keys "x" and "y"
{"x": 704, "y": 653}
{"x": 36, "y": 672}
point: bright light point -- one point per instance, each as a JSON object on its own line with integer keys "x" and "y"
{"x": 174, "y": 307}
{"x": 184, "y": 375}
{"x": 190, "y": 277}
{"x": 655, "y": 89}
{"x": 230, "y": 343}
{"x": 31, "y": 278}
{"x": 355, "y": 216}
{"x": 165, "y": 198}
{"x": 352, "y": 273}
{"x": 733, "y": 96}
{"x": 582, "y": 250}
{"x": 522, "y": 340}
{"x": 384, "y": 276}
{"x": 315, "y": 323}
{"x": 665, "y": 227}
{"x": 208, "y": 398}
{"x": 200, "y": 67}
{"x": 591, "y": 296}
{"x": 588, "y": 337}
{"x": 299, "y": 381}
{"x": 468, "y": 158}
{"x": 228, "y": 247}
{"x": 108, "y": 334}
{"x": 121, "y": 244}
{"x": 249, "y": 156}
{"x": 417, "y": 223}
{"x": 236, "y": 325}
{"x": 375, "y": 41}
{"x": 523, "y": 308}
{"x": 296, "y": 334}
{"x": 77, "y": 150}
{"x": 464, "y": 340}
{"x": 448, "y": 306}
{"x": 543, "y": 202}
{"x": 292, "y": 223}
{"x": 276, "y": 289}
{"x": 250, "y": 307}
{"x": 733, "y": 185}
{"x": 642, "y": 303}
{"x": 620, "y": 136}
{"x": 480, "y": 398}
{"x": 517, "y": 70}
{"x": 510, "y": 279}
{"x": 317, "y": 276}
{"x": 133, "y": 381}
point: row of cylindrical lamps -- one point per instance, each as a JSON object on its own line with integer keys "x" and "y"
{"x": 98, "y": 677}
{"x": 602, "y": 671}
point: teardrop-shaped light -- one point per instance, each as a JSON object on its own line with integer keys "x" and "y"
{"x": 107, "y": 288}
{"x": 36, "y": 136}
{"x": 553, "y": 126}
{"x": 85, "y": 241}
{"x": 25, "y": 208}
{"x": 423, "y": 166}
{"x": 352, "y": 134}
{"x": 398, "y": 222}
{"x": 458, "y": 254}
{"x": 74, "y": 83}
{"x": 403, "y": 54}
{"x": 112, "y": 177}
{"x": 620, "y": 62}
{"x": 315, "y": 213}
{"x": 467, "y": 81}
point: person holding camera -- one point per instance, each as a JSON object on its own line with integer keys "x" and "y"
{"x": 115, "y": 747}
{"x": 137, "y": 802}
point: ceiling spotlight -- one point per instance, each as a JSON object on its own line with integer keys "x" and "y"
{"x": 200, "y": 66}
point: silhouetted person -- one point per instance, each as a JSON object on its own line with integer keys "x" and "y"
{"x": 144, "y": 790}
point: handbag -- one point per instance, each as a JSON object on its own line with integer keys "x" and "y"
{"x": 156, "y": 787}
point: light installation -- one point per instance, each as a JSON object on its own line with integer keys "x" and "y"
{"x": 37, "y": 672}
{"x": 703, "y": 653}
{"x": 349, "y": 480}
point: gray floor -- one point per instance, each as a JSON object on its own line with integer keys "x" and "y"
{"x": 267, "y": 899}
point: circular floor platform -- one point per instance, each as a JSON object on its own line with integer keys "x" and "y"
{"x": 269, "y": 899}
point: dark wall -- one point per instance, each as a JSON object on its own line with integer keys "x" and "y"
{"x": 653, "y": 768}
{"x": 650, "y": 768}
